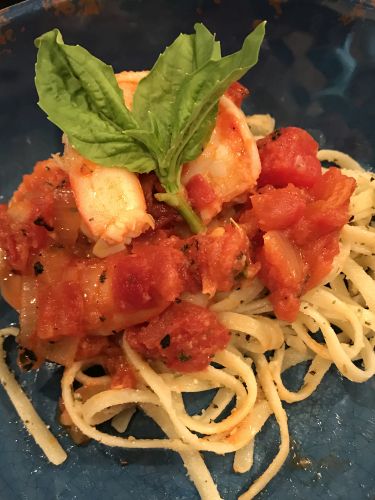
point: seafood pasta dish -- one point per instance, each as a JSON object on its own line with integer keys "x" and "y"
{"x": 178, "y": 246}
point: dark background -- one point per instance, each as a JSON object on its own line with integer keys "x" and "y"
{"x": 317, "y": 71}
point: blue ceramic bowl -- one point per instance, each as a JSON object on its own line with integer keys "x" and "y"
{"x": 317, "y": 71}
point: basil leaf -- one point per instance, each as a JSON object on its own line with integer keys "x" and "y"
{"x": 80, "y": 95}
{"x": 197, "y": 103}
{"x": 154, "y": 100}
{"x": 200, "y": 93}
{"x": 206, "y": 47}
{"x": 174, "y": 107}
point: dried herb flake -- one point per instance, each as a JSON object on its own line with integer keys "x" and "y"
{"x": 38, "y": 268}
{"x": 39, "y": 221}
{"x": 184, "y": 357}
{"x": 165, "y": 341}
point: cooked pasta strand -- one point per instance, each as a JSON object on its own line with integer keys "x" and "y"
{"x": 26, "y": 411}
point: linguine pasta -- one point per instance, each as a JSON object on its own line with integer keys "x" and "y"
{"x": 248, "y": 373}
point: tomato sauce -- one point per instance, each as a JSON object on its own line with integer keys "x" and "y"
{"x": 27, "y": 224}
{"x": 108, "y": 352}
{"x": 287, "y": 233}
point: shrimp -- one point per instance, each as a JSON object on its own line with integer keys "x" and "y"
{"x": 128, "y": 81}
{"x": 110, "y": 201}
{"x": 228, "y": 167}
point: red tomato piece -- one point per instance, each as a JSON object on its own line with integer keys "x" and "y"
{"x": 285, "y": 303}
{"x": 329, "y": 211}
{"x": 284, "y": 261}
{"x": 35, "y": 195}
{"x": 217, "y": 258}
{"x": 279, "y": 208}
{"x": 283, "y": 272}
{"x": 185, "y": 337}
{"x": 288, "y": 155}
{"x": 152, "y": 276}
{"x": 200, "y": 192}
{"x": 319, "y": 255}
{"x": 237, "y": 93}
{"x": 122, "y": 375}
{"x": 335, "y": 187}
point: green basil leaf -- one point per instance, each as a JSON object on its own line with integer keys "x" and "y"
{"x": 201, "y": 92}
{"x": 154, "y": 104}
{"x": 174, "y": 107}
{"x": 80, "y": 95}
{"x": 155, "y": 94}
{"x": 197, "y": 103}
{"x": 206, "y": 48}
{"x": 155, "y": 97}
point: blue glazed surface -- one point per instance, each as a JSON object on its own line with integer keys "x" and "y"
{"x": 317, "y": 70}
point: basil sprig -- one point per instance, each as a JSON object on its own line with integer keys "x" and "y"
{"x": 174, "y": 107}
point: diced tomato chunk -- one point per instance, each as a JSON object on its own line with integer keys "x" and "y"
{"x": 36, "y": 193}
{"x": 298, "y": 258}
{"x": 278, "y": 208}
{"x": 237, "y": 92}
{"x": 13, "y": 243}
{"x": 150, "y": 277}
{"x": 335, "y": 187}
{"x": 329, "y": 211}
{"x": 285, "y": 303}
{"x": 218, "y": 257}
{"x": 122, "y": 375}
{"x": 111, "y": 356}
{"x": 284, "y": 261}
{"x": 283, "y": 272}
{"x": 200, "y": 192}
{"x": 319, "y": 255}
{"x": 289, "y": 155}
{"x": 185, "y": 337}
